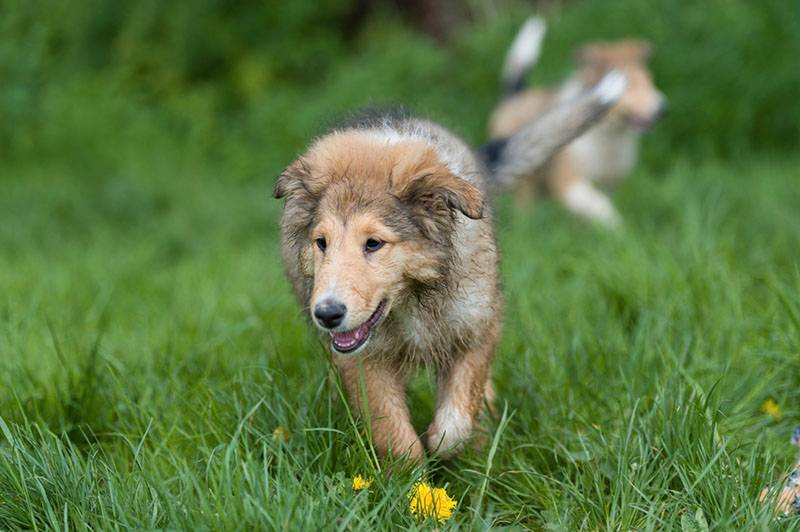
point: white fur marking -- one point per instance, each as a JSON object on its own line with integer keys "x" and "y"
{"x": 611, "y": 87}
{"x": 453, "y": 427}
{"x": 525, "y": 49}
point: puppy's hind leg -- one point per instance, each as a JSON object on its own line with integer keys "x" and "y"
{"x": 392, "y": 432}
{"x": 578, "y": 194}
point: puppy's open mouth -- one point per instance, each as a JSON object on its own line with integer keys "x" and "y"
{"x": 354, "y": 339}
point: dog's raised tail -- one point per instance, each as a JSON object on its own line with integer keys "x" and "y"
{"x": 526, "y": 151}
{"x": 523, "y": 54}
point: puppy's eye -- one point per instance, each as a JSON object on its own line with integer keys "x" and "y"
{"x": 372, "y": 245}
{"x": 321, "y": 244}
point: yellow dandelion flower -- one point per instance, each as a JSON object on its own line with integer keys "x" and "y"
{"x": 424, "y": 502}
{"x": 280, "y": 433}
{"x": 771, "y": 408}
{"x": 360, "y": 483}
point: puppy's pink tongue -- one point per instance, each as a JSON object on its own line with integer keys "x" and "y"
{"x": 349, "y": 339}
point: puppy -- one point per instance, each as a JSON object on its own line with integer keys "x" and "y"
{"x": 388, "y": 242}
{"x": 608, "y": 151}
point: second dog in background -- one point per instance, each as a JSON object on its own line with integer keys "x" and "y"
{"x": 605, "y": 153}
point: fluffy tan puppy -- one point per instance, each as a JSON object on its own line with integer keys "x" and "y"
{"x": 388, "y": 241}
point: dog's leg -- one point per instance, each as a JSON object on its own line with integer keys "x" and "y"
{"x": 586, "y": 201}
{"x": 463, "y": 388}
{"x": 578, "y": 194}
{"x": 392, "y": 432}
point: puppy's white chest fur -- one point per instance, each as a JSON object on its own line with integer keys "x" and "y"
{"x": 607, "y": 152}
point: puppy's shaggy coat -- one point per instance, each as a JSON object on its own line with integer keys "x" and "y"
{"x": 388, "y": 242}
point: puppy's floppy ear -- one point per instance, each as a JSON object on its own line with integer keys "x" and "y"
{"x": 291, "y": 179}
{"x": 436, "y": 189}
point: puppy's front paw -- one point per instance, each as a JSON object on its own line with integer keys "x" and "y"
{"x": 450, "y": 430}
{"x": 398, "y": 444}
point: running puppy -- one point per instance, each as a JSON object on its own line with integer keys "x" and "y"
{"x": 608, "y": 151}
{"x": 388, "y": 241}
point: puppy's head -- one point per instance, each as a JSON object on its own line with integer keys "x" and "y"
{"x": 642, "y": 104}
{"x": 366, "y": 223}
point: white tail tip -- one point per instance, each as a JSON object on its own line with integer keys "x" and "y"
{"x": 611, "y": 87}
{"x": 526, "y": 48}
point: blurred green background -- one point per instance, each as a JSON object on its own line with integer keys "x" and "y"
{"x": 96, "y": 82}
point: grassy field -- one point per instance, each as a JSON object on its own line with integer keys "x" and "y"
{"x": 150, "y": 347}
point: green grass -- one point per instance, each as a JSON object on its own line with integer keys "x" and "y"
{"x": 149, "y": 347}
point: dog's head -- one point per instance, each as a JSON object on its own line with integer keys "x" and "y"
{"x": 642, "y": 104}
{"x": 367, "y": 223}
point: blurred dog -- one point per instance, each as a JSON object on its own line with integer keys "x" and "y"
{"x": 389, "y": 245}
{"x": 608, "y": 151}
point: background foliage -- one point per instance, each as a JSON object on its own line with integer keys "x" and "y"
{"x": 223, "y": 77}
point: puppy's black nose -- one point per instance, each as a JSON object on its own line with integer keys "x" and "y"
{"x": 330, "y": 313}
